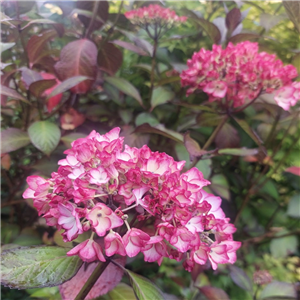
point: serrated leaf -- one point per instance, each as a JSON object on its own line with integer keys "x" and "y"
{"x": 44, "y": 135}
{"x": 67, "y": 85}
{"x": 6, "y": 46}
{"x": 160, "y": 96}
{"x": 144, "y": 288}
{"x": 6, "y": 91}
{"x": 240, "y": 278}
{"x": 13, "y": 139}
{"x": 294, "y": 207}
{"x": 238, "y": 151}
{"x": 109, "y": 58}
{"x": 37, "y": 266}
{"x": 279, "y": 290}
{"x": 125, "y": 86}
{"x": 122, "y": 292}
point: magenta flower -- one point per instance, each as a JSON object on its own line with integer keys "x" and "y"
{"x": 114, "y": 244}
{"x": 103, "y": 218}
{"x": 88, "y": 251}
{"x": 135, "y": 240}
{"x": 99, "y": 183}
{"x": 239, "y": 74}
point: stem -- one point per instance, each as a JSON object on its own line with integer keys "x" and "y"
{"x": 270, "y": 136}
{"x": 153, "y": 66}
{"x": 92, "y": 280}
{"x": 211, "y": 139}
{"x": 214, "y": 134}
{"x": 248, "y": 104}
{"x": 95, "y": 11}
{"x": 130, "y": 207}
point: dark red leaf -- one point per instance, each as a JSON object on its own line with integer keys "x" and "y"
{"x": 233, "y": 19}
{"x": 241, "y": 37}
{"x": 192, "y": 146}
{"x": 106, "y": 282}
{"x": 78, "y": 58}
{"x": 37, "y": 88}
{"x": 213, "y": 293}
{"x": 89, "y": 5}
{"x": 37, "y": 44}
{"x": 110, "y": 58}
{"x": 29, "y": 76}
{"x": 227, "y": 137}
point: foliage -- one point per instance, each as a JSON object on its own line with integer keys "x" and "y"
{"x": 71, "y": 67}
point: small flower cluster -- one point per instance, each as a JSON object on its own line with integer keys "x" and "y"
{"x": 137, "y": 200}
{"x": 154, "y": 15}
{"x": 240, "y": 73}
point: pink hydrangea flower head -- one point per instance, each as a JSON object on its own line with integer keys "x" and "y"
{"x": 154, "y": 15}
{"x": 238, "y": 74}
{"x": 99, "y": 182}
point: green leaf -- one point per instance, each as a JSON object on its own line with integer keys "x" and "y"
{"x": 39, "y": 21}
{"x": 296, "y": 62}
{"x": 238, "y": 151}
{"x": 144, "y": 288}
{"x": 146, "y": 118}
{"x": 279, "y": 290}
{"x": 160, "y": 96}
{"x": 207, "y": 119}
{"x": 71, "y": 137}
{"x": 44, "y": 135}
{"x": 125, "y": 86}
{"x": 160, "y": 129}
{"x": 241, "y": 37}
{"x": 6, "y": 91}
{"x": 211, "y": 29}
{"x": 294, "y": 207}
{"x": 245, "y": 126}
{"x": 240, "y": 278}
{"x": 13, "y": 139}
{"x": 67, "y": 85}
{"x": 122, "y": 292}
{"x": 5, "y": 46}
{"x": 292, "y": 8}
{"x": 282, "y": 247}
{"x": 219, "y": 186}
{"x": 37, "y": 266}
{"x": 268, "y": 21}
